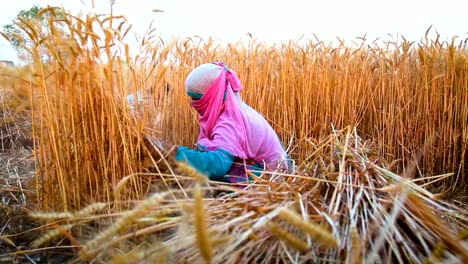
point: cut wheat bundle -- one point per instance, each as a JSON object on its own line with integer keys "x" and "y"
{"x": 344, "y": 205}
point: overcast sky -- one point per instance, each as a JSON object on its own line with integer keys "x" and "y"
{"x": 272, "y": 21}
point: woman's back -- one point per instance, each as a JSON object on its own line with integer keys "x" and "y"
{"x": 263, "y": 141}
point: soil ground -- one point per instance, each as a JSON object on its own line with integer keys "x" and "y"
{"x": 17, "y": 199}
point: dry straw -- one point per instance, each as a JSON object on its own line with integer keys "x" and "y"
{"x": 400, "y": 224}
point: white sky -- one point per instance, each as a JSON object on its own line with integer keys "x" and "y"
{"x": 272, "y": 21}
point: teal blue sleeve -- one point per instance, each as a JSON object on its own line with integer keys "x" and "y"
{"x": 214, "y": 164}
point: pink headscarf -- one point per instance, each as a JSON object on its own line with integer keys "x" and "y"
{"x": 226, "y": 122}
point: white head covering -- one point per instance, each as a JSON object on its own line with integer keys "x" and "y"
{"x": 202, "y": 77}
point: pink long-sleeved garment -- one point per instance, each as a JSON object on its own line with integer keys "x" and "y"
{"x": 228, "y": 123}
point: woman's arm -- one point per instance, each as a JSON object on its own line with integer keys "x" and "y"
{"x": 214, "y": 164}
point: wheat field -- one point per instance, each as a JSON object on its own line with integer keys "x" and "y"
{"x": 378, "y": 132}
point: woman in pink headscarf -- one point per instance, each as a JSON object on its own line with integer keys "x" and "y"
{"x": 233, "y": 136}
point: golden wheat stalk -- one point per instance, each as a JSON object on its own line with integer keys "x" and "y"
{"x": 51, "y": 216}
{"x": 50, "y": 235}
{"x": 88, "y": 210}
{"x": 188, "y": 170}
{"x": 203, "y": 240}
{"x": 321, "y": 236}
{"x": 355, "y": 253}
{"x": 123, "y": 222}
{"x": 288, "y": 237}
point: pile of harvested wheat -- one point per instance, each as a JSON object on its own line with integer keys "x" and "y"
{"x": 341, "y": 204}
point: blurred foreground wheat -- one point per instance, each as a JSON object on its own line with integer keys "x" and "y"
{"x": 344, "y": 206}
